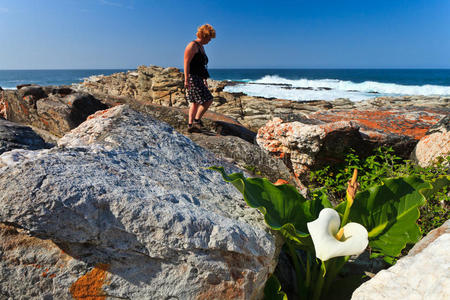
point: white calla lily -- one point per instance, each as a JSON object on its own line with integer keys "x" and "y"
{"x": 324, "y": 229}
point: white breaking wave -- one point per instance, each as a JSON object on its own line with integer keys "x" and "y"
{"x": 93, "y": 78}
{"x": 330, "y": 89}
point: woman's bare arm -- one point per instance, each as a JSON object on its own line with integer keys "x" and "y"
{"x": 189, "y": 53}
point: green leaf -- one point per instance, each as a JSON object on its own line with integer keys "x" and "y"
{"x": 389, "y": 212}
{"x": 283, "y": 207}
{"x": 272, "y": 290}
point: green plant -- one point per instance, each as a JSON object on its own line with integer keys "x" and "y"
{"x": 272, "y": 290}
{"x": 382, "y": 164}
{"x": 383, "y": 216}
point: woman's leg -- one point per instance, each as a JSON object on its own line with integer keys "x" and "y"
{"x": 202, "y": 108}
{"x": 193, "y": 111}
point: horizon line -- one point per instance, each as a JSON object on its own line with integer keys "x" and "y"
{"x": 241, "y": 68}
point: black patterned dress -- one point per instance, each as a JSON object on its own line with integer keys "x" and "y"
{"x": 198, "y": 92}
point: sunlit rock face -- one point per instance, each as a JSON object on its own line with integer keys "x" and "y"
{"x": 422, "y": 274}
{"x": 324, "y": 138}
{"x": 150, "y": 84}
{"x": 390, "y": 124}
{"x": 435, "y": 144}
{"x": 130, "y": 211}
{"x": 305, "y": 146}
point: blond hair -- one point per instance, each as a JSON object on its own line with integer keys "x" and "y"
{"x": 206, "y": 31}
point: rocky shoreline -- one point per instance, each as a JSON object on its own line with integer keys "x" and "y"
{"x": 398, "y": 122}
{"x": 105, "y": 194}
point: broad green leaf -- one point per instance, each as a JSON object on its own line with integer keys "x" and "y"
{"x": 389, "y": 212}
{"x": 272, "y": 290}
{"x": 283, "y": 207}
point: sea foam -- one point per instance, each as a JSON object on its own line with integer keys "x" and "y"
{"x": 329, "y": 89}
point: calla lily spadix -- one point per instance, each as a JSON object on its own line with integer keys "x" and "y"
{"x": 323, "y": 232}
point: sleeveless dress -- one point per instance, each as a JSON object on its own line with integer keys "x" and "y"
{"x": 198, "y": 92}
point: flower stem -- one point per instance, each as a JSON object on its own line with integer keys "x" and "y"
{"x": 298, "y": 270}
{"x": 333, "y": 270}
{"x": 319, "y": 282}
{"x": 308, "y": 270}
{"x": 346, "y": 213}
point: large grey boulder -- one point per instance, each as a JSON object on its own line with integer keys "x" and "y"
{"x": 128, "y": 200}
{"x": 223, "y": 136}
{"x": 422, "y": 274}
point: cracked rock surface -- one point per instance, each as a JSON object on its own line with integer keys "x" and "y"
{"x": 127, "y": 209}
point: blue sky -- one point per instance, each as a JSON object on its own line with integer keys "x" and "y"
{"x": 47, "y": 34}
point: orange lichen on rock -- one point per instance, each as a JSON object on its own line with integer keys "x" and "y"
{"x": 45, "y": 122}
{"x": 98, "y": 113}
{"x": 45, "y": 273}
{"x": 386, "y": 121}
{"x": 24, "y": 109}
{"x": 89, "y": 286}
{"x": 224, "y": 290}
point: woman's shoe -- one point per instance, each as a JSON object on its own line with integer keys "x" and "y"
{"x": 199, "y": 124}
{"x": 191, "y": 128}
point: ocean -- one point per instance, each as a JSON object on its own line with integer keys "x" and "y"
{"x": 293, "y": 84}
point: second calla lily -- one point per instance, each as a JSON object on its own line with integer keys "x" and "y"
{"x": 323, "y": 232}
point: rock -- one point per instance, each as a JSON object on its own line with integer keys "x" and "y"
{"x": 16, "y": 156}
{"x": 324, "y": 137}
{"x": 245, "y": 155}
{"x": 164, "y": 86}
{"x": 155, "y": 84}
{"x": 33, "y": 268}
{"x": 436, "y": 143}
{"x": 422, "y": 274}
{"x": 305, "y": 146}
{"x": 54, "y": 109}
{"x": 224, "y": 136}
{"x": 397, "y": 122}
{"x": 400, "y": 128}
{"x": 3, "y": 105}
{"x": 137, "y": 215}
{"x": 15, "y": 136}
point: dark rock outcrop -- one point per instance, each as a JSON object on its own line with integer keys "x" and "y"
{"x": 54, "y": 109}
{"x": 15, "y": 136}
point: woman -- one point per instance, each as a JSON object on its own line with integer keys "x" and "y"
{"x": 195, "y": 75}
